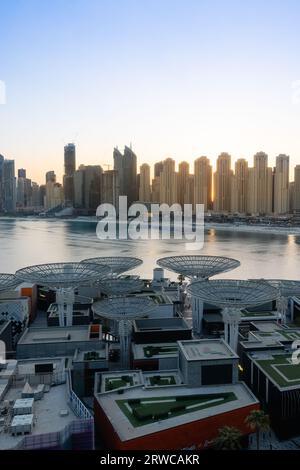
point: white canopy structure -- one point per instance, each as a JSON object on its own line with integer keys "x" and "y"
{"x": 286, "y": 288}
{"x": 7, "y": 281}
{"x": 119, "y": 286}
{"x": 63, "y": 278}
{"x": 124, "y": 310}
{"x": 198, "y": 267}
{"x": 116, "y": 264}
{"x": 232, "y": 296}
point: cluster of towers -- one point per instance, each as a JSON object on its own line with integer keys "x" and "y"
{"x": 256, "y": 190}
{"x": 246, "y": 190}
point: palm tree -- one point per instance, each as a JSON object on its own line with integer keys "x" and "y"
{"x": 229, "y": 438}
{"x": 259, "y": 422}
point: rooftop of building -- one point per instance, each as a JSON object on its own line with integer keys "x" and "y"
{"x": 51, "y": 411}
{"x": 115, "y": 380}
{"x": 55, "y": 334}
{"x": 90, "y": 354}
{"x": 278, "y": 367}
{"x": 272, "y": 332}
{"x": 154, "y": 350}
{"x": 206, "y": 349}
{"x": 139, "y": 411}
{"x": 160, "y": 324}
{"x": 263, "y": 314}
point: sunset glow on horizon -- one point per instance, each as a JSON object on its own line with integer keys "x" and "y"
{"x": 177, "y": 79}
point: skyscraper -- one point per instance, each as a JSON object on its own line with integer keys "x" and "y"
{"x": 158, "y": 167}
{"x": 70, "y": 167}
{"x": 281, "y": 185}
{"x": 110, "y": 188}
{"x": 9, "y": 186}
{"x": 297, "y": 188}
{"x": 35, "y": 195}
{"x": 145, "y": 187}
{"x": 24, "y": 190}
{"x": 126, "y": 166}
{"x": 87, "y": 187}
{"x": 262, "y": 185}
{"x": 1, "y": 182}
{"x": 21, "y": 173}
{"x": 168, "y": 183}
{"x": 183, "y": 183}
{"x": 239, "y": 195}
{"x": 119, "y": 167}
{"x": 155, "y": 194}
{"x": 130, "y": 175}
{"x": 203, "y": 182}
{"x": 222, "y": 183}
{"x": 50, "y": 176}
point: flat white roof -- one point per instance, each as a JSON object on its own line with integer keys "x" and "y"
{"x": 55, "y": 335}
{"x": 206, "y": 349}
{"x": 46, "y": 414}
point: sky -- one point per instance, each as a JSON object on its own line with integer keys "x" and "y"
{"x": 175, "y": 78}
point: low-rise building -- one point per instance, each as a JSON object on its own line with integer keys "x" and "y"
{"x": 159, "y": 330}
{"x": 155, "y": 356}
{"x": 39, "y": 409}
{"x": 58, "y": 341}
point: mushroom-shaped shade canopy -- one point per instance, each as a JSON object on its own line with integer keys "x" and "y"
{"x": 123, "y": 308}
{"x": 58, "y": 275}
{"x": 8, "y": 281}
{"x": 121, "y": 286}
{"x": 285, "y": 287}
{"x": 233, "y": 293}
{"x": 117, "y": 264}
{"x": 197, "y": 265}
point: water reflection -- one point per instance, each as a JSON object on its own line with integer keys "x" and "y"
{"x": 25, "y": 242}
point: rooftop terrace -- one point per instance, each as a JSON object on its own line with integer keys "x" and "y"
{"x": 154, "y": 350}
{"x": 278, "y": 367}
{"x": 141, "y": 411}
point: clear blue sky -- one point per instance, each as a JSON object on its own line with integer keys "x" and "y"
{"x": 179, "y": 78}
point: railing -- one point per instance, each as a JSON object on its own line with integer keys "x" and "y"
{"x": 79, "y": 409}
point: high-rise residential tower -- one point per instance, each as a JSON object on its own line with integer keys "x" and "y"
{"x": 110, "y": 188}
{"x": 281, "y": 185}
{"x": 203, "y": 182}
{"x": 144, "y": 186}
{"x": 296, "y": 199}
{"x": 1, "y": 182}
{"x": 168, "y": 183}
{"x": 70, "y": 167}
{"x": 9, "y": 186}
{"x": 261, "y": 195}
{"x": 183, "y": 183}
{"x": 222, "y": 183}
{"x": 239, "y": 194}
{"x": 126, "y": 166}
{"x": 87, "y": 187}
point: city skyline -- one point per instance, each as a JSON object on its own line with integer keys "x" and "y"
{"x": 179, "y": 79}
{"x": 232, "y": 188}
{"x": 213, "y": 159}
